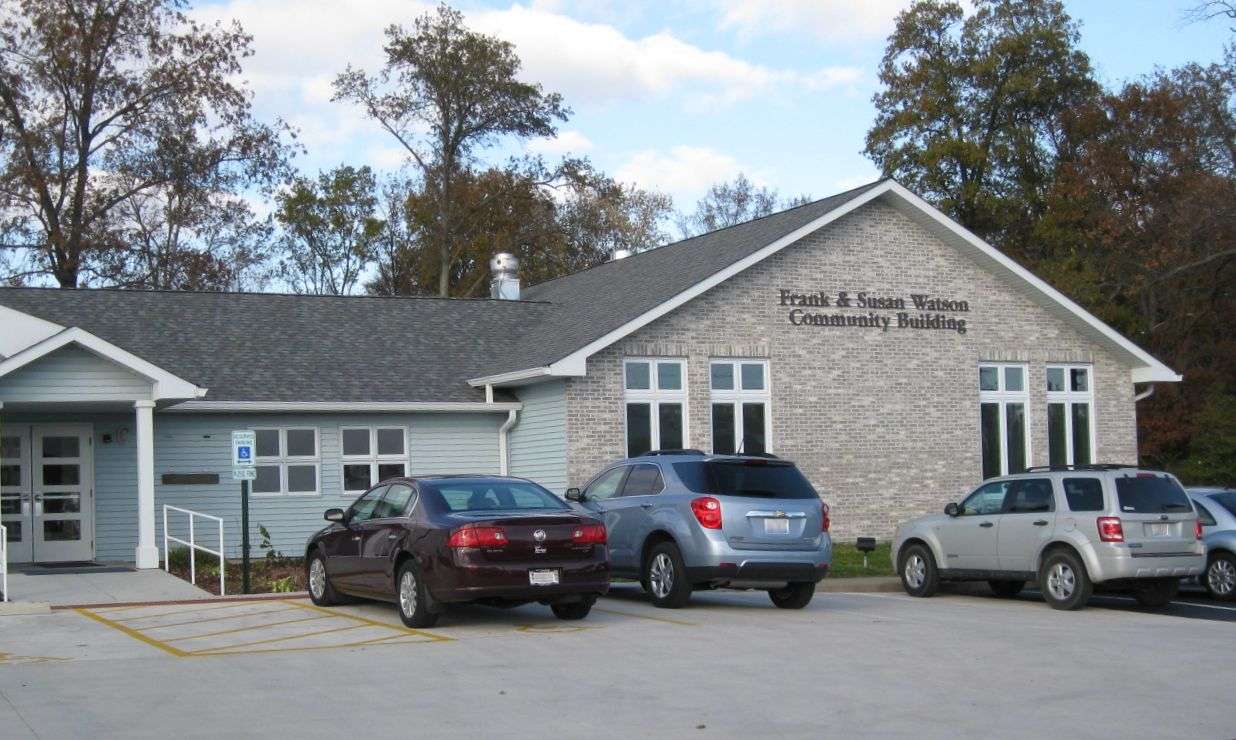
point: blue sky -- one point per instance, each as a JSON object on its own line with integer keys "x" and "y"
{"x": 668, "y": 95}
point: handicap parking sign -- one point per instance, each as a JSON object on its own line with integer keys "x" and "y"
{"x": 243, "y": 442}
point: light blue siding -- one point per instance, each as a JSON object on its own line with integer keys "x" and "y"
{"x": 72, "y": 373}
{"x": 537, "y": 443}
{"x": 184, "y": 443}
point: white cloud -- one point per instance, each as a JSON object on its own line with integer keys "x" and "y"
{"x": 566, "y": 142}
{"x": 684, "y": 172}
{"x": 834, "y": 20}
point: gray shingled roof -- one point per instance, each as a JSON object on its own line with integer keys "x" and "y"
{"x": 268, "y": 347}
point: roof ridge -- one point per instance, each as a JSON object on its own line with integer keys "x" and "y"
{"x": 714, "y": 231}
{"x": 273, "y": 294}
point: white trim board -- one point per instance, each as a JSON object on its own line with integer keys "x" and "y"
{"x": 341, "y": 407}
{"x": 164, "y": 385}
{"x": 1147, "y": 369}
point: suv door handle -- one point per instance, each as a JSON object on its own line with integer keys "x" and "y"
{"x": 1040, "y": 523}
{"x": 986, "y": 524}
{"x": 645, "y": 506}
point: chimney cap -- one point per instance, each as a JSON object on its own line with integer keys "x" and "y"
{"x": 619, "y": 254}
{"x": 504, "y": 262}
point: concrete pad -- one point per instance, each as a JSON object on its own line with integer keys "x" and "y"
{"x": 18, "y": 608}
{"x": 60, "y": 589}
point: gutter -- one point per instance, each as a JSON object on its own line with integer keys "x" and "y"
{"x": 342, "y": 407}
{"x": 504, "y": 463}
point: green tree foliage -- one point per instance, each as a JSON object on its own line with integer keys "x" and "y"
{"x": 331, "y": 230}
{"x": 968, "y": 115}
{"x": 444, "y": 93}
{"x": 729, "y": 203}
{"x": 106, "y": 108}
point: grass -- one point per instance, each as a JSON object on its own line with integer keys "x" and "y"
{"x": 848, "y": 561}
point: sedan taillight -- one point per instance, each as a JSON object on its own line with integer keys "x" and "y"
{"x": 1110, "y": 529}
{"x": 471, "y": 536}
{"x": 589, "y": 534}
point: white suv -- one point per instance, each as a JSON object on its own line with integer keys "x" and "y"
{"x": 1069, "y": 528}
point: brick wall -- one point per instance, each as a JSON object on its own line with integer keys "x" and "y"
{"x": 885, "y": 424}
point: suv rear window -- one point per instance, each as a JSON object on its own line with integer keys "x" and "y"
{"x": 751, "y": 478}
{"x": 1227, "y": 500}
{"x": 1150, "y": 494}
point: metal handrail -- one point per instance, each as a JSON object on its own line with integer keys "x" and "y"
{"x": 191, "y": 543}
{"x": 4, "y": 563}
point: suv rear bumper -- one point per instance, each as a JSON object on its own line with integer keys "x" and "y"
{"x": 724, "y": 566}
{"x": 1117, "y": 562}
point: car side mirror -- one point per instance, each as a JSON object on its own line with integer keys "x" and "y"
{"x": 952, "y": 510}
{"x": 333, "y": 515}
{"x": 574, "y": 494}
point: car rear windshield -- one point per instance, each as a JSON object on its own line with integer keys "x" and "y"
{"x": 1227, "y": 500}
{"x": 754, "y": 478}
{"x": 1151, "y": 494}
{"x": 491, "y": 495}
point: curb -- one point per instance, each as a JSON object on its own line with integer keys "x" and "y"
{"x": 179, "y": 602}
{"x": 864, "y": 585}
{"x": 20, "y": 608}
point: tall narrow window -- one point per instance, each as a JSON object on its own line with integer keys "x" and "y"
{"x": 1004, "y": 427}
{"x": 656, "y": 405}
{"x": 741, "y": 422}
{"x": 1070, "y": 415}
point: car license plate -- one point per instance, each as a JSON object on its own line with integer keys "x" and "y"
{"x": 776, "y": 526}
{"x": 543, "y": 577}
{"x": 1160, "y": 530}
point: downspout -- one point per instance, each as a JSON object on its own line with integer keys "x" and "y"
{"x": 503, "y": 462}
{"x": 1144, "y": 394}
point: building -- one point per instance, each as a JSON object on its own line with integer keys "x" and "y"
{"x": 896, "y": 357}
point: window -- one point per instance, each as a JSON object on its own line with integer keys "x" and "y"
{"x": 748, "y": 479}
{"x": 366, "y": 506}
{"x": 485, "y": 495}
{"x": 1227, "y": 500}
{"x": 644, "y": 480}
{"x": 1029, "y": 496}
{"x": 987, "y": 500}
{"x": 372, "y": 454}
{"x": 286, "y": 461}
{"x": 1203, "y": 514}
{"x": 656, "y": 403}
{"x": 1003, "y": 424}
{"x": 606, "y": 484}
{"x": 1084, "y": 494}
{"x": 1070, "y": 415}
{"x": 1147, "y": 493}
{"x": 394, "y": 502}
{"x": 741, "y": 422}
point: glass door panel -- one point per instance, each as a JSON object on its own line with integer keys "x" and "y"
{"x": 15, "y": 494}
{"x": 63, "y": 526}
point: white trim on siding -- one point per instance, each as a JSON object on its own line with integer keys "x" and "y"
{"x": 342, "y": 407}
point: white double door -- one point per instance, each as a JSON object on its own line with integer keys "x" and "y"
{"x": 47, "y": 492}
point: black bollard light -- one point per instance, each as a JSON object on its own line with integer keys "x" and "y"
{"x": 865, "y": 545}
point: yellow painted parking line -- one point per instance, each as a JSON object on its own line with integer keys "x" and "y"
{"x": 373, "y": 622}
{"x": 212, "y": 607}
{"x": 667, "y": 620}
{"x": 284, "y": 638}
{"x": 133, "y": 633}
{"x": 249, "y": 629}
{"x": 242, "y": 615}
{"x": 311, "y": 648}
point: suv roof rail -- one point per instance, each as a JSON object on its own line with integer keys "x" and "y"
{"x": 685, "y": 451}
{"x": 1087, "y": 466}
{"x": 765, "y": 455}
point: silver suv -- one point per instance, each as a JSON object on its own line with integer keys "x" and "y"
{"x": 682, "y": 520}
{"x": 1069, "y": 528}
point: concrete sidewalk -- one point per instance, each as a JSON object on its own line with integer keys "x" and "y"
{"x": 57, "y": 589}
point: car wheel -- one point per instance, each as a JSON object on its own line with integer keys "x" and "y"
{"x": 1064, "y": 581}
{"x": 320, "y": 590}
{"x": 412, "y": 598}
{"x": 919, "y": 576}
{"x": 1006, "y": 589}
{"x": 1220, "y": 577}
{"x": 1158, "y": 592}
{"x": 793, "y": 596}
{"x": 573, "y": 609}
{"x": 667, "y": 577}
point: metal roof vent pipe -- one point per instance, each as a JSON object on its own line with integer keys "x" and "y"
{"x": 619, "y": 254}
{"x": 504, "y": 283}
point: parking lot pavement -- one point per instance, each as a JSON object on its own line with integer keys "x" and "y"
{"x": 730, "y": 665}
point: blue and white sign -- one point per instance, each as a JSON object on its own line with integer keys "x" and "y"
{"x": 244, "y": 442}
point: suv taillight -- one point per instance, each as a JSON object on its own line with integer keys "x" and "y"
{"x": 1110, "y": 529}
{"x": 470, "y": 536}
{"x": 825, "y": 520}
{"x": 1197, "y": 529}
{"x": 589, "y": 534}
{"x": 707, "y": 511}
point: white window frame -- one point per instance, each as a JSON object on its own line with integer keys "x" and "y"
{"x": 1069, "y": 397}
{"x": 654, "y": 397}
{"x": 373, "y": 458}
{"x": 283, "y": 460}
{"x": 737, "y": 396}
{"x": 1003, "y": 398}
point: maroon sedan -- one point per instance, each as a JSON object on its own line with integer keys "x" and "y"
{"x": 426, "y": 542}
